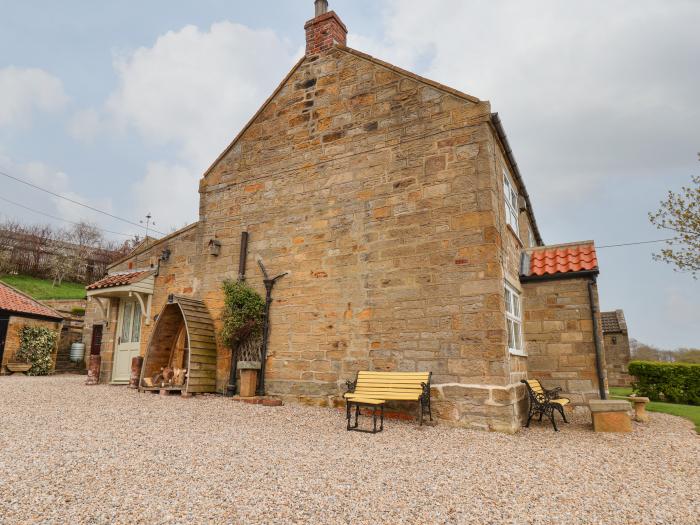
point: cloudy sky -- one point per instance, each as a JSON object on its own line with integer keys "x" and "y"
{"x": 122, "y": 105}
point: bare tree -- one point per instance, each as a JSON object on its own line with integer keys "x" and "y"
{"x": 87, "y": 239}
{"x": 61, "y": 261}
{"x": 689, "y": 355}
{"x": 80, "y": 253}
{"x": 680, "y": 213}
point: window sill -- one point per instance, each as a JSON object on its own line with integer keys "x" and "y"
{"x": 519, "y": 353}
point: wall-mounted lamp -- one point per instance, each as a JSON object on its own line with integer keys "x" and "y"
{"x": 214, "y": 247}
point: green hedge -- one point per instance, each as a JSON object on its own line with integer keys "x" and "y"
{"x": 672, "y": 382}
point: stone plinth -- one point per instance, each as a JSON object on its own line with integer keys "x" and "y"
{"x": 136, "y": 364}
{"x": 249, "y": 378}
{"x": 610, "y": 415}
{"x": 93, "y": 375}
{"x": 640, "y": 413}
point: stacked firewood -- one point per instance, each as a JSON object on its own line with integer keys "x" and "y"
{"x": 167, "y": 376}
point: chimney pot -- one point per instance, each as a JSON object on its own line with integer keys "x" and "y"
{"x": 321, "y": 7}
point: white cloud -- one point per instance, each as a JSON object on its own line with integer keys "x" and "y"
{"x": 85, "y": 124}
{"x": 169, "y": 192}
{"x": 24, "y": 91}
{"x": 196, "y": 89}
{"x": 193, "y": 90}
{"x": 579, "y": 86}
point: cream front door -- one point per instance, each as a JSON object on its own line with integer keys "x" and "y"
{"x": 128, "y": 339}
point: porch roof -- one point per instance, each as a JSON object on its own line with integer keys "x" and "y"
{"x": 120, "y": 279}
{"x": 562, "y": 260}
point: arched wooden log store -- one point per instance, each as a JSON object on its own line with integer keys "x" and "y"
{"x": 183, "y": 338}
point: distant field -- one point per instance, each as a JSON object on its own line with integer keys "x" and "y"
{"x": 687, "y": 411}
{"x": 42, "y": 289}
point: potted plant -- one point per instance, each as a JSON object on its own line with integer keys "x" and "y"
{"x": 18, "y": 366}
{"x": 242, "y": 317}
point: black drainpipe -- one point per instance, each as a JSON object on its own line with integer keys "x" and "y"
{"x": 243, "y": 255}
{"x": 596, "y": 341}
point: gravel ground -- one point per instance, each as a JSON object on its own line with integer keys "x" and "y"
{"x": 76, "y": 454}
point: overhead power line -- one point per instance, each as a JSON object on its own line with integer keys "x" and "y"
{"x": 60, "y": 218}
{"x": 634, "y": 243}
{"x": 75, "y": 202}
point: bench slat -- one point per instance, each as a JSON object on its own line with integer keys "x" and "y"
{"x": 409, "y": 386}
{"x": 416, "y": 391}
{"x": 415, "y": 381}
{"x": 394, "y": 374}
{"x": 388, "y": 387}
{"x": 389, "y": 390}
{"x": 386, "y": 396}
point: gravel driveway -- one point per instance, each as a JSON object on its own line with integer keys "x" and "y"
{"x": 76, "y": 454}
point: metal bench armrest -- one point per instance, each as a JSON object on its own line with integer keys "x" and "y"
{"x": 552, "y": 393}
{"x": 350, "y": 385}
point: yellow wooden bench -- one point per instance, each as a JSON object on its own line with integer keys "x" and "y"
{"x": 369, "y": 388}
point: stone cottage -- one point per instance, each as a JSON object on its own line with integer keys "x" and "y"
{"x": 397, "y": 207}
{"x": 617, "y": 347}
{"x": 18, "y": 310}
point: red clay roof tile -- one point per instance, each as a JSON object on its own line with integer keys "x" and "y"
{"x": 551, "y": 260}
{"x": 12, "y": 300}
{"x": 119, "y": 279}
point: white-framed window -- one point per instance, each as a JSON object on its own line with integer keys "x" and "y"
{"x": 511, "y": 198}
{"x": 514, "y": 320}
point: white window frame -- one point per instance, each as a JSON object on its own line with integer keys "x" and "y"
{"x": 511, "y": 207}
{"x": 531, "y": 237}
{"x": 514, "y": 321}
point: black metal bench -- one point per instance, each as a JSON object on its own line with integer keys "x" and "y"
{"x": 544, "y": 402}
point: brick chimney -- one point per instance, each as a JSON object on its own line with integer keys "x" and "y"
{"x": 325, "y": 30}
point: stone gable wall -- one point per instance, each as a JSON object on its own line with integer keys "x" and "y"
{"x": 351, "y": 180}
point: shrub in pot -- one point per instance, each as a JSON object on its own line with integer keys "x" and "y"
{"x": 244, "y": 310}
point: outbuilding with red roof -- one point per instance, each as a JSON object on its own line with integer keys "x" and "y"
{"x": 17, "y": 310}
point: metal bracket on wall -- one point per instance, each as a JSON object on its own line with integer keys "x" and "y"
{"x": 269, "y": 284}
{"x": 145, "y": 306}
{"x": 106, "y": 310}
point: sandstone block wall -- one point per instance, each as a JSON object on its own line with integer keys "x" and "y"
{"x": 559, "y": 335}
{"x": 617, "y": 357}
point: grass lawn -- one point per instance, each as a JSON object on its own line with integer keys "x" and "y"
{"x": 687, "y": 411}
{"x": 42, "y": 288}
